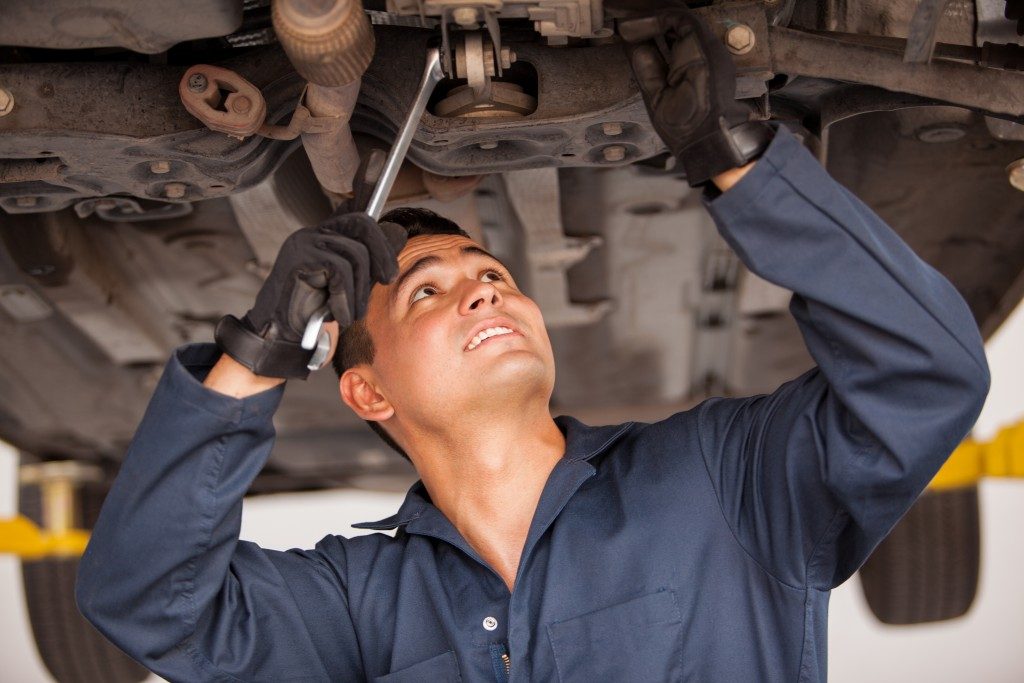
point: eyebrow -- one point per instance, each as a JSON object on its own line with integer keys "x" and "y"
{"x": 428, "y": 261}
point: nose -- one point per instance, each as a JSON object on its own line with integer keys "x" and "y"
{"x": 477, "y": 295}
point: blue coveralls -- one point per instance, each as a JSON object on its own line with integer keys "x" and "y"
{"x": 699, "y": 548}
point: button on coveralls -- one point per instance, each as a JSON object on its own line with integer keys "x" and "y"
{"x": 699, "y": 548}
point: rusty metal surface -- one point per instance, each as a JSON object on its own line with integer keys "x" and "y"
{"x": 222, "y": 100}
{"x": 110, "y": 128}
{"x": 332, "y": 152}
{"x": 806, "y": 54}
{"x": 139, "y": 25}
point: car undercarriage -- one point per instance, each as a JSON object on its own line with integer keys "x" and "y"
{"x": 130, "y": 226}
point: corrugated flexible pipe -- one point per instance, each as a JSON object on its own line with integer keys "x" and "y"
{"x": 330, "y": 43}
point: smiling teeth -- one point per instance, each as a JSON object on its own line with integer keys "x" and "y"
{"x": 486, "y": 334}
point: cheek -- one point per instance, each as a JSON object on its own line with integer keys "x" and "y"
{"x": 419, "y": 347}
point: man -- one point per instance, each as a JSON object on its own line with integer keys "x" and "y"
{"x": 702, "y": 547}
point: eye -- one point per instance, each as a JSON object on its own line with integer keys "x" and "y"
{"x": 422, "y": 292}
{"x": 492, "y": 276}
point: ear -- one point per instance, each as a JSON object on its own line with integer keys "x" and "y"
{"x": 361, "y": 394}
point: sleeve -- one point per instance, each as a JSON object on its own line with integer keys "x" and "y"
{"x": 165, "y": 576}
{"x": 813, "y": 476}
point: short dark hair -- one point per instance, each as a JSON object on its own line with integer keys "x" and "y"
{"x": 355, "y": 346}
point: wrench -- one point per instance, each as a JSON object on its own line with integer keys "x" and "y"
{"x": 316, "y": 337}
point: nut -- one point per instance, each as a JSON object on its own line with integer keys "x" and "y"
{"x": 465, "y": 16}
{"x": 6, "y": 102}
{"x": 160, "y": 167}
{"x": 611, "y": 128}
{"x": 26, "y": 202}
{"x": 197, "y": 82}
{"x": 740, "y": 39}
{"x": 175, "y": 190}
{"x": 241, "y": 104}
{"x": 614, "y": 153}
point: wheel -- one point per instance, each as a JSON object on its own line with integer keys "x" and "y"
{"x": 926, "y": 569}
{"x": 70, "y": 648}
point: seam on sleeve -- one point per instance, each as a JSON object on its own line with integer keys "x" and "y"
{"x": 832, "y": 529}
{"x": 721, "y": 507}
{"x": 208, "y": 488}
{"x": 882, "y": 263}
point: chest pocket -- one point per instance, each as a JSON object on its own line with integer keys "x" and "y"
{"x": 443, "y": 668}
{"x": 637, "y": 640}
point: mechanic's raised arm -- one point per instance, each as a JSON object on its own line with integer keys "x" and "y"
{"x": 813, "y": 476}
{"x": 165, "y": 576}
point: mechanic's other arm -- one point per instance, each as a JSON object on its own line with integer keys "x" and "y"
{"x": 165, "y": 576}
{"x": 814, "y": 475}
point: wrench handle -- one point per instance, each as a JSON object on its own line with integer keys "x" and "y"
{"x": 432, "y": 75}
{"x": 315, "y": 336}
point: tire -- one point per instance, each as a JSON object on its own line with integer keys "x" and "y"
{"x": 926, "y": 569}
{"x": 70, "y": 648}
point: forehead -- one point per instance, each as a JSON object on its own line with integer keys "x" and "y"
{"x": 444, "y": 246}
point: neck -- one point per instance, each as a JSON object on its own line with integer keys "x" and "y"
{"x": 486, "y": 476}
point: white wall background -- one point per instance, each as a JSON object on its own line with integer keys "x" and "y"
{"x": 985, "y": 645}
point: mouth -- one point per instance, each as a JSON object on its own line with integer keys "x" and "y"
{"x": 490, "y": 330}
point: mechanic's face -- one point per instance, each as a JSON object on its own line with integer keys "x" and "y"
{"x": 427, "y": 326}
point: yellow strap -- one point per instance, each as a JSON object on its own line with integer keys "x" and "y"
{"x": 23, "y": 538}
{"x": 1003, "y": 456}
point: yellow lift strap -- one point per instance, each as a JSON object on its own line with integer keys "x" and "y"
{"x": 1003, "y": 456}
{"x": 23, "y": 538}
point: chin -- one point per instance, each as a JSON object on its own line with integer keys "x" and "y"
{"x": 519, "y": 371}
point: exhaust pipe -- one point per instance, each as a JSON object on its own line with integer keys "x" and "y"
{"x": 330, "y": 43}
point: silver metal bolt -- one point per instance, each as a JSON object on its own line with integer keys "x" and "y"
{"x": 488, "y": 145}
{"x": 611, "y": 128}
{"x": 1015, "y": 173}
{"x": 26, "y": 202}
{"x": 6, "y": 102}
{"x": 197, "y": 83}
{"x": 614, "y": 153}
{"x": 160, "y": 167}
{"x": 175, "y": 190}
{"x": 465, "y": 16}
{"x": 740, "y": 39}
{"x": 508, "y": 57}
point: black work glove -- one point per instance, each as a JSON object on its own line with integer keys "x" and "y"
{"x": 689, "y": 88}
{"x": 333, "y": 264}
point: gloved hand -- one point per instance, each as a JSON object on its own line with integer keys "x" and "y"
{"x": 690, "y": 91}
{"x": 333, "y": 264}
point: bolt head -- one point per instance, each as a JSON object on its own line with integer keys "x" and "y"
{"x": 488, "y": 145}
{"x": 160, "y": 167}
{"x": 241, "y": 104}
{"x": 175, "y": 190}
{"x": 465, "y": 16}
{"x": 740, "y": 39}
{"x": 614, "y": 153}
{"x": 26, "y": 202}
{"x": 6, "y": 102}
{"x": 611, "y": 128}
{"x": 197, "y": 83}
